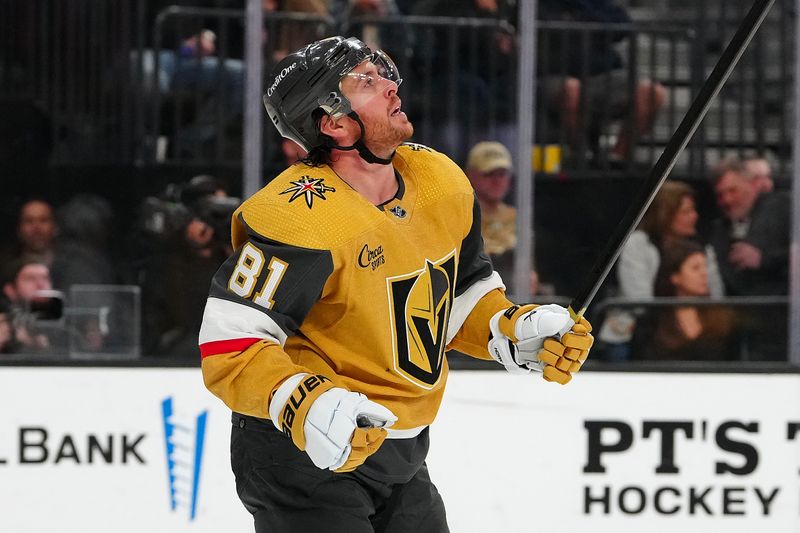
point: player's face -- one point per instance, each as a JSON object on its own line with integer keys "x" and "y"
{"x": 735, "y": 195}
{"x": 692, "y": 277}
{"x": 37, "y": 226}
{"x": 684, "y": 221}
{"x": 375, "y": 100}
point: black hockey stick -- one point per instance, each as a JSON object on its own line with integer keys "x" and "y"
{"x": 666, "y": 161}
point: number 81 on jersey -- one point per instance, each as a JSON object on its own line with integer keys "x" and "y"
{"x": 248, "y": 270}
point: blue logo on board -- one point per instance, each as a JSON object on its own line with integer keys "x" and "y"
{"x": 183, "y": 439}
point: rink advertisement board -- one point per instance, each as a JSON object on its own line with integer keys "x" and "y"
{"x": 131, "y": 450}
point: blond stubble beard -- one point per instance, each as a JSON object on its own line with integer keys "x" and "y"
{"x": 388, "y": 136}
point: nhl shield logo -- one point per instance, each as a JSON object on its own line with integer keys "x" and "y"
{"x": 398, "y": 211}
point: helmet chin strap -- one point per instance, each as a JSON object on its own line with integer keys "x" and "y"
{"x": 361, "y": 148}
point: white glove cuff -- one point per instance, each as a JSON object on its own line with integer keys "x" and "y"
{"x": 281, "y": 396}
{"x": 502, "y": 349}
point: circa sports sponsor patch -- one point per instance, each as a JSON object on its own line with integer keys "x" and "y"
{"x": 371, "y": 256}
{"x": 309, "y": 188}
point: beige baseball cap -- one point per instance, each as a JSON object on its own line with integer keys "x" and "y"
{"x": 488, "y": 156}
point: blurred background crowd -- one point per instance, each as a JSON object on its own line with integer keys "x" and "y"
{"x": 121, "y": 160}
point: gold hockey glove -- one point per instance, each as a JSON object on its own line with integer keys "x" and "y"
{"x": 540, "y": 338}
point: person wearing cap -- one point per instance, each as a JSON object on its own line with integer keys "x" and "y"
{"x": 489, "y": 169}
{"x": 353, "y": 272}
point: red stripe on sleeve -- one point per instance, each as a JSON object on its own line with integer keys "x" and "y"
{"x": 232, "y": 345}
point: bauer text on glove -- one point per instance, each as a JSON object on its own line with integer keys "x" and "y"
{"x": 337, "y": 428}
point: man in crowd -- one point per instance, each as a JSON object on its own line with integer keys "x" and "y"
{"x": 36, "y": 232}
{"x": 176, "y": 278}
{"x": 489, "y": 170}
{"x": 751, "y": 241}
{"x": 23, "y": 288}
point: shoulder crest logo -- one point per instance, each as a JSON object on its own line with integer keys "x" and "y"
{"x": 308, "y": 187}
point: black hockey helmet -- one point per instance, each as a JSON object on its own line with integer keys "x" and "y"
{"x": 309, "y": 79}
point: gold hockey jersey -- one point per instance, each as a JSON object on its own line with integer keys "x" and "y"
{"x": 324, "y": 282}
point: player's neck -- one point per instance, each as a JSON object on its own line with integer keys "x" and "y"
{"x": 373, "y": 181}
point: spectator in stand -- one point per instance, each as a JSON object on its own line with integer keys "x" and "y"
{"x": 82, "y": 247}
{"x": 700, "y": 333}
{"x": 176, "y": 282}
{"x": 194, "y": 66}
{"x": 761, "y": 171}
{"x": 196, "y": 75}
{"x": 23, "y": 283}
{"x": 36, "y": 231}
{"x": 586, "y": 66}
{"x": 752, "y": 236}
{"x": 751, "y": 239}
{"x": 671, "y": 217}
{"x": 489, "y": 169}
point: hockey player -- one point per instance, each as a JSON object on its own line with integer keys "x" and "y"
{"x": 354, "y": 272}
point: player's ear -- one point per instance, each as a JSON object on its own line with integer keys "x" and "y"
{"x": 339, "y": 129}
{"x": 328, "y": 125}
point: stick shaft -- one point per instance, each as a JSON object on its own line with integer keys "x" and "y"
{"x": 675, "y": 145}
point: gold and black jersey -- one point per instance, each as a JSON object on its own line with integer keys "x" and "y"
{"x": 323, "y": 281}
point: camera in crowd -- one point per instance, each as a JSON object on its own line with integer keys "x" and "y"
{"x": 47, "y": 305}
{"x": 167, "y": 215}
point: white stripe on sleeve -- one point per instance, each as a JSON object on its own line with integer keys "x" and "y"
{"x": 225, "y": 320}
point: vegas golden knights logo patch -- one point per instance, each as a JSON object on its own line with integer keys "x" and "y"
{"x": 308, "y": 188}
{"x": 420, "y": 305}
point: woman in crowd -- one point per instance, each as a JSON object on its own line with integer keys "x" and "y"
{"x": 672, "y": 216}
{"x": 702, "y": 333}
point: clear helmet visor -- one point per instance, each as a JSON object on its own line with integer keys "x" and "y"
{"x": 386, "y": 67}
{"x": 357, "y": 89}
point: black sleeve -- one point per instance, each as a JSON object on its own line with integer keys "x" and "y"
{"x": 298, "y": 290}
{"x": 473, "y": 263}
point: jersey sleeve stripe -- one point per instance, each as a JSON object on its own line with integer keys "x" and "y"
{"x": 463, "y": 304}
{"x": 233, "y": 345}
{"x": 224, "y": 320}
